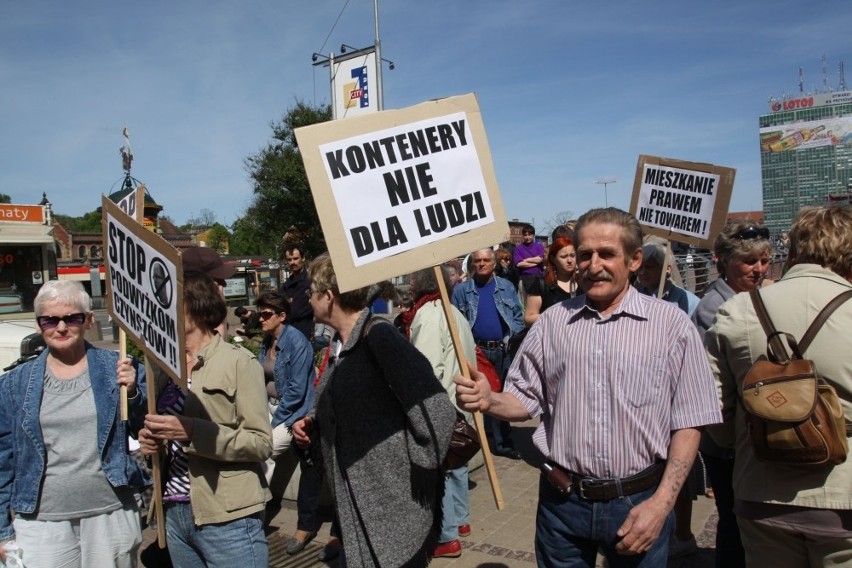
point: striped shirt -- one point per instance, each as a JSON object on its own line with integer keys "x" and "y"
{"x": 170, "y": 403}
{"x": 610, "y": 390}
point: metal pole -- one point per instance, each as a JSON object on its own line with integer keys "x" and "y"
{"x": 331, "y": 85}
{"x": 380, "y": 99}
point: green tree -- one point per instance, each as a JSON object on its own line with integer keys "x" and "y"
{"x": 88, "y": 223}
{"x": 4, "y": 198}
{"x": 282, "y": 201}
{"x": 217, "y": 237}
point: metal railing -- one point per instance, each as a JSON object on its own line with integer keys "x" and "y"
{"x": 697, "y": 270}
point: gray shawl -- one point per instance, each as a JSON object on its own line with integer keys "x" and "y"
{"x": 384, "y": 423}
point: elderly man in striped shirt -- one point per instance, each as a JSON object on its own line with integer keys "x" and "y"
{"x": 623, "y": 387}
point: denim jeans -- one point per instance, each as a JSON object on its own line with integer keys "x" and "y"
{"x": 500, "y": 430}
{"x": 456, "y": 504}
{"x": 240, "y": 542}
{"x": 570, "y": 530}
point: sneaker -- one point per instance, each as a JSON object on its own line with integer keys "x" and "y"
{"x": 450, "y": 549}
{"x": 679, "y": 547}
{"x": 464, "y": 530}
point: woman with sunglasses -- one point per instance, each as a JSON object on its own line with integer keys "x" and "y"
{"x": 216, "y": 436}
{"x": 742, "y": 252}
{"x": 65, "y": 469}
{"x": 288, "y": 365}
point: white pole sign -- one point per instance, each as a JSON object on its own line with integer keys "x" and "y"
{"x": 403, "y": 187}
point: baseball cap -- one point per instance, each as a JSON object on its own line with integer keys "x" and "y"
{"x": 206, "y": 261}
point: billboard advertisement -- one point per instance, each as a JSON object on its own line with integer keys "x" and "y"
{"x": 806, "y": 134}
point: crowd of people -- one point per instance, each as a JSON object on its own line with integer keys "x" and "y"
{"x": 634, "y": 381}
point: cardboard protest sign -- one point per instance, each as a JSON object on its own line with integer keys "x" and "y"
{"x": 145, "y": 288}
{"x": 401, "y": 190}
{"x": 134, "y": 203}
{"x": 684, "y": 201}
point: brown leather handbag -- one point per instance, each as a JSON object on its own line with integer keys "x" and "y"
{"x": 463, "y": 445}
{"x": 793, "y": 415}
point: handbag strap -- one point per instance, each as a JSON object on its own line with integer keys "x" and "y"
{"x": 773, "y": 335}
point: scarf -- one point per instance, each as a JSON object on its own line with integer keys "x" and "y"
{"x": 408, "y": 317}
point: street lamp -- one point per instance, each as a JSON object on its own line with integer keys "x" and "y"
{"x": 605, "y": 182}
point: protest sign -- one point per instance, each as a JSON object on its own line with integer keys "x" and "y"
{"x": 145, "y": 288}
{"x": 684, "y": 201}
{"x": 134, "y": 203}
{"x": 405, "y": 189}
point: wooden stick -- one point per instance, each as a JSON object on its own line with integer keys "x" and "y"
{"x": 477, "y": 416}
{"x": 157, "y": 503}
{"x": 665, "y": 265}
{"x": 122, "y": 354}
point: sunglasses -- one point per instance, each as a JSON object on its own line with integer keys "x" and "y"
{"x": 752, "y": 232}
{"x": 71, "y": 320}
{"x": 266, "y": 314}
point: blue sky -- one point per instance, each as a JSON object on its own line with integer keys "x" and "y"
{"x": 570, "y": 92}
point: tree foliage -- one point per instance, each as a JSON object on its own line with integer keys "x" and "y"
{"x": 205, "y": 219}
{"x": 282, "y": 201}
{"x": 88, "y": 223}
{"x": 217, "y": 237}
{"x": 560, "y": 218}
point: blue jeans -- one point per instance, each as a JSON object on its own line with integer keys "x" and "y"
{"x": 240, "y": 542}
{"x": 456, "y": 504}
{"x": 500, "y": 430}
{"x": 570, "y": 530}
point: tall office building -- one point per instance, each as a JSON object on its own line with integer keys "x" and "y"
{"x": 805, "y": 154}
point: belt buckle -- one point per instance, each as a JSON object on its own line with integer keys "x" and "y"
{"x": 581, "y": 488}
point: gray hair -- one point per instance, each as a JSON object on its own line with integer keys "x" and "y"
{"x": 63, "y": 292}
{"x": 728, "y": 246}
{"x": 631, "y": 234}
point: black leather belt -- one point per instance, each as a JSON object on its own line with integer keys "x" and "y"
{"x": 593, "y": 489}
{"x": 489, "y": 344}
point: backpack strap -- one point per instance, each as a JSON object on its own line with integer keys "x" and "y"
{"x": 822, "y": 317}
{"x": 776, "y": 347}
{"x": 774, "y": 336}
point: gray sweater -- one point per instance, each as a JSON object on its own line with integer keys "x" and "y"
{"x": 384, "y": 423}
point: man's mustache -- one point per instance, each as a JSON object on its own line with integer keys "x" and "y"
{"x": 602, "y": 276}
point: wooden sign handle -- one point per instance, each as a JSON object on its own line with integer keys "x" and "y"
{"x": 477, "y": 416}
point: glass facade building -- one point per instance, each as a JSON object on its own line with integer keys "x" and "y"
{"x": 806, "y": 154}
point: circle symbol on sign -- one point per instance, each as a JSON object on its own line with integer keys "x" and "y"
{"x": 162, "y": 283}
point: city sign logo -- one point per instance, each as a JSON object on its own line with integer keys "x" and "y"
{"x": 356, "y": 94}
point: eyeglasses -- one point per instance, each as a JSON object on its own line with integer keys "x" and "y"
{"x": 752, "y": 232}
{"x": 310, "y": 292}
{"x": 266, "y": 314}
{"x": 71, "y": 320}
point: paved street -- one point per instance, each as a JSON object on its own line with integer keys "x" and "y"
{"x": 499, "y": 539}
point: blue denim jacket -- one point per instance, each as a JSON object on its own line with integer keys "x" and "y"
{"x": 294, "y": 375}
{"x": 466, "y": 299}
{"x": 22, "y": 451}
